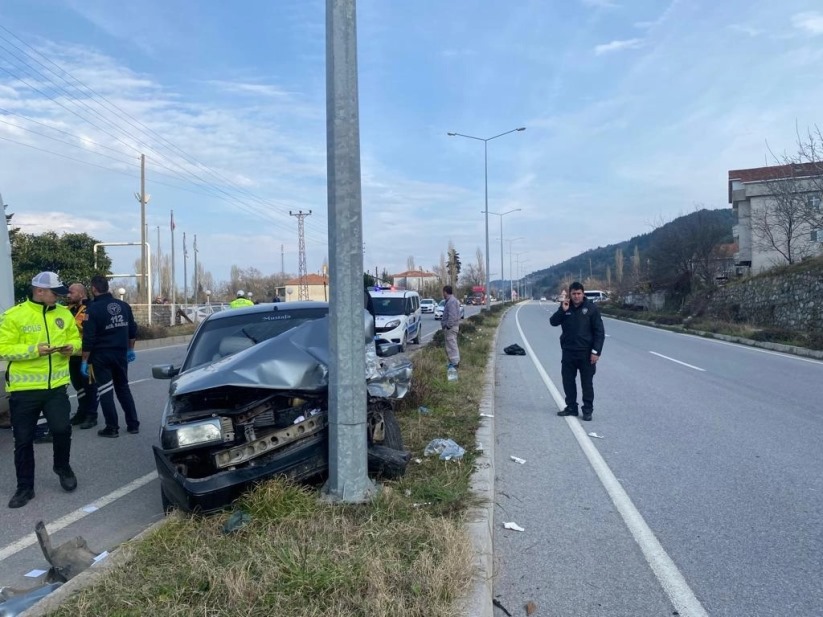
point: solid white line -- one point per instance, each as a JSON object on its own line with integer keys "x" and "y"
{"x": 660, "y": 355}
{"x": 73, "y": 517}
{"x": 131, "y": 383}
{"x": 141, "y": 351}
{"x": 665, "y": 570}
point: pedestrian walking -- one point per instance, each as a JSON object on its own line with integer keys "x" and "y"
{"x": 37, "y": 338}
{"x": 241, "y": 300}
{"x": 450, "y": 323}
{"x": 581, "y": 343}
{"x": 108, "y": 345}
{"x": 86, "y": 416}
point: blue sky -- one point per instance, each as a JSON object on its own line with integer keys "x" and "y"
{"x": 635, "y": 111}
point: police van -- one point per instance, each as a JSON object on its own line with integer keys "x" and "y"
{"x": 595, "y": 295}
{"x": 397, "y": 316}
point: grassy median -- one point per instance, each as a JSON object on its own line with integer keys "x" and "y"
{"x": 403, "y": 554}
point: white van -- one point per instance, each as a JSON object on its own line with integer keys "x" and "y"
{"x": 397, "y": 316}
{"x": 595, "y": 295}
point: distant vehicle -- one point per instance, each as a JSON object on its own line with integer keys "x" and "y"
{"x": 438, "y": 310}
{"x": 427, "y": 305}
{"x": 543, "y": 299}
{"x": 595, "y": 295}
{"x": 397, "y": 316}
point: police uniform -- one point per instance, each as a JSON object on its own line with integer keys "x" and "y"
{"x": 107, "y": 335}
{"x": 240, "y": 302}
{"x": 86, "y": 389}
{"x": 38, "y": 383}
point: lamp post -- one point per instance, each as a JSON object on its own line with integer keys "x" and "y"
{"x": 511, "y": 276}
{"x": 501, "y": 215}
{"x": 486, "y": 183}
{"x": 121, "y": 291}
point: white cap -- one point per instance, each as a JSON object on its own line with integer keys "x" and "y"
{"x": 240, "y": 293}
{"x": 50, "y": 280}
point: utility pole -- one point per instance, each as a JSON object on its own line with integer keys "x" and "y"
{"x": 185, "y": 272}
{"x": 196, "y": 290}
{"x": 282, "y": 262}
{"x": 143, "y": 199}
{"x": 159, "y": 267}
{"x": 173, "y": 279}
{"x": 348, "y": 470}
{"x": 303, "y": 284}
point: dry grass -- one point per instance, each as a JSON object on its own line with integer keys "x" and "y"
{"x": 404, "y": 554}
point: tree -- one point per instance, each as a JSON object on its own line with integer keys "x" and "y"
{"x": 784, "y": 224}
{"x": 12, "y": 230}
{"x": 410, "y": 263}
{"x": 618, "y": 265}
{"x": 481, "y": 269}
{"x": 453, "y": 265}
{"x": 70, "y": 255}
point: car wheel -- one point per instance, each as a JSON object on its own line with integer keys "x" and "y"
{"x": 403, "y": 344}
{"x": 416, "y": 339}
{"x": 383, "y": 424}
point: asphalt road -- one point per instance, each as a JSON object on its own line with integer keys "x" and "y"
{"x": 118, "y": 494}
{"x": 704, "y": 495}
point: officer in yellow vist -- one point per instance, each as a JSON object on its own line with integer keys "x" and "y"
{"x": 37, "y": 338}
{"x": 241, "y": 300}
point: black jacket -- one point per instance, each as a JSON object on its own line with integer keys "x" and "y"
{"x": 583, "y": 330}
{"x": 109, "y": 326}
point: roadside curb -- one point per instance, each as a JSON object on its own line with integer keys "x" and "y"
{"x": 116, "y": 559}
{"x": 480, "y": 520}
{"x": 789, "y": 349}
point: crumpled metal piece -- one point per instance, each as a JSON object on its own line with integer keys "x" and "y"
{"x": 16, "y": 602}
{"x": 297, "y": 360}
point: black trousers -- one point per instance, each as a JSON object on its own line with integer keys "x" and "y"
{"x": 86, "y": 390}
{"x": 111, "y": 374}
{"x": 25, "y": 408}
{"x": 571, "y": 364}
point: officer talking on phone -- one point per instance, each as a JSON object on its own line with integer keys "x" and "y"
{"x": 581, "y": 343}
{"x": 37, "y": 337}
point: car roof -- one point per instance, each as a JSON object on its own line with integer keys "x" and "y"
{"x": 269, "y": 307}
{"x": 395, "y": 293}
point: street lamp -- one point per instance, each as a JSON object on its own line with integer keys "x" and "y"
{"x": 122, "y": 292}
{"x": 501, "y": 215}
{"x": 486, "y": 182}
{"x": 511, "y": 277}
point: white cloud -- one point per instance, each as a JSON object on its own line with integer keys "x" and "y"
{"x": 811, "y": 22}
{"x": 616, "y": 46}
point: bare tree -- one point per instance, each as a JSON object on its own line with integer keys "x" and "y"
{"x": 410, "y": 263}
{"x": 618, "y": 265}
{"x": 481, "y": 267}
{"x": 785, "y": 224}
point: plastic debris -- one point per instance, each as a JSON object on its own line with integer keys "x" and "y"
{"x": 513, "y": 526}
{"x": 595, "y": 435}
{"x": 446, "y": 448}
{"x": 487, "y": 415}
{"x": 519, "y": 460}
{"x": 236, "y": 521}
{"x": 479, "y": 447}
{"x": 424, "y": 410}
{"x": 419, "y": 461}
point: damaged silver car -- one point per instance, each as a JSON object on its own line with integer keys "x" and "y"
{"x": 250, "y": 401}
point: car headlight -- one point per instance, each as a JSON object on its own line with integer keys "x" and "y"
{"x": 192, "y": 434}
{"x": 393, "y": 324}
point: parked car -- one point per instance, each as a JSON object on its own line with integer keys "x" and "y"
{"x": 427, "y": 305}
{"x": 438, "y": 310}
{"x": 250, "y": 401}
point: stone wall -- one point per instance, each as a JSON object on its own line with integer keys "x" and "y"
{"x": 792, "y": 301}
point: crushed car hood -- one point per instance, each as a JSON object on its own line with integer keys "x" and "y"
{"x": 297, "y": 360}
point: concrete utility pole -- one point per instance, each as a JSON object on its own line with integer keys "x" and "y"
{"x": 173, "y": 279}
{"x": 196, "y": 291}
{"x": 303, "y": 284}
{"x": 282, "y": 262}
{"x": 159, "y": 265}
{"x": 143, "y": 199}
{"x": 185, "y": 272}
{"x": 348, "y": 477}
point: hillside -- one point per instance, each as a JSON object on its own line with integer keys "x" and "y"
{"x": 593, "y": 264}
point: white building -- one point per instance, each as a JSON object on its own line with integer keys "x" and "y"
{"x": 755, "y": 195}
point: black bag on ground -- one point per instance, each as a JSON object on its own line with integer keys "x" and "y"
{"x": 514, "y": 350}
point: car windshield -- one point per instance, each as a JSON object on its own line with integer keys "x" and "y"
{"x": 427, "y": 301}
{"x": 388, "y": 306}
{"x": 218, "y": 338}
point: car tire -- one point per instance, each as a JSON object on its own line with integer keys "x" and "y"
{"x": 416, "y": 339}
{"x": 392, "y": 437}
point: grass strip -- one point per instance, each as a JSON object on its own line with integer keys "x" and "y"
{"x": 404, "y": 554}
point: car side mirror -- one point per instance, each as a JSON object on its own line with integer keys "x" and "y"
{"x": 164, "y": 371}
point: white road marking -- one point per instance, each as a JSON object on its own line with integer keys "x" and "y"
{"x": 131, "y": 383}
{"x": 664, "y": 569}
{"x": 660, "y": 355}
{"x": 80, "y": 513}
{"x": 141, "y": 351}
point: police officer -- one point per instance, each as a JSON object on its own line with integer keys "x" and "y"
{"x": 86, "y": 416}
{"x": 581, "y": 343}
{"x": 241, "y": 300}
{"x": 37, "y": 338}
{"x": 108, "y": 343}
